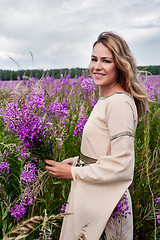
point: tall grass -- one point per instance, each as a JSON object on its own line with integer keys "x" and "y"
{"x": 146, "y": 184}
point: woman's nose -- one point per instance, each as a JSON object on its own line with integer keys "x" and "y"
{"x": 98, "y": 65}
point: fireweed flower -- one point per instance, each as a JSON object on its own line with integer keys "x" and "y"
{"x": 29, "y": 173}
{"x": 93, "y": 102}
{"x": 24, "y": 122}
{"x": 22, "y": 152}
{"x": 1, "y": 111}
{"x": 69, "y": 75}
{"x": 63, "y": 208}
{"x": 4, "y": 168}
{"x": 65, "y": 81}
{"x": 88, "y": 85}
{"x": 10, "y": 114}
{"x": 157, "y": 200}
{"x": 29, "y": 127}
{"x": 18, "y": 211}
{"x": 122, "y": 208}
{"x": 80, "y": 125}
{"x": 37, "y": 101}
{"x": 28, "y": 197}
{"x": 152, "y": 89}
{"x": 59, "y": 110}
{"x": 131, "y": 185}
{"x": 149, "y": 87}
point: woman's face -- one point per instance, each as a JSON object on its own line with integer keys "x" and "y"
{"x": 102, "y": 66}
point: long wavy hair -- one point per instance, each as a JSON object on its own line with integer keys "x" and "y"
{"x": 126, "y": 65}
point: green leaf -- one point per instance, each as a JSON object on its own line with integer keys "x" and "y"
{"x": 58, "y": 182}
{"x": 4, "y": 215}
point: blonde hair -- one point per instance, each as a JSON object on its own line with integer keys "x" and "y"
{"x": 126, "y": 65}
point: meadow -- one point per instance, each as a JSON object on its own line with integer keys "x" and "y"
{"x": 44, "y": 118}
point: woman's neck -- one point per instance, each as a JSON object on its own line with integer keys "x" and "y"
{"x": 109, "y": 90}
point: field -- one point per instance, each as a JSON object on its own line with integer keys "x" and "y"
{"x": 44, "y": 118}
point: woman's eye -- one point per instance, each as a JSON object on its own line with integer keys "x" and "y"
{"x": 106, "y": 61}
{"x": 93, "y": 59}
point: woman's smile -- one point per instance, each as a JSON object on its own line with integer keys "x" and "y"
{"x": 99, "y": 75}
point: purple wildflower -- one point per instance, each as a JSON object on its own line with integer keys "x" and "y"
{"x": 61, "y": 77}
{"x": 18, "y": 211}
{"x": 157, "y": 200}
{"x": 29, "y": 173}
{"x": 63, "y": 208}
{"x": 131, "y": 185}
{"x": 27, "y": 199}
{"x": 59, "y": 110}
{"x": 37, "y": 101}
{"x": 151, "y": 83}
{"x": 4, "y": 168}
{"x": 122, "y": 208}
{"x": 69, "y": 75}
{"x": 24, "y": 122}
{"x": 88, "y": 85}
{"x": 149, "y": 87}
{"x": 93, "y": 102}
{"x": 80, "y": 125}
{"x": 23, "y": 152}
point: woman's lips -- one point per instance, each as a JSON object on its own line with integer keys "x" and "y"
{"x": 99, "y": 74}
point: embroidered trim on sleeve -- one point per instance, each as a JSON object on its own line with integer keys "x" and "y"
{"x": 84, "y": 160}
{"x": 126, "y": 133}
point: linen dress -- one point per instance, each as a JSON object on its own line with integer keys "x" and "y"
{"x": 107, "y": 151}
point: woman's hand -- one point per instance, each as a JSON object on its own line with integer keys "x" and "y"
{"x": 59, "y": 169}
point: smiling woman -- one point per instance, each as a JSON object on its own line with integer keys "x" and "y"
{"x": 99, "y": 202}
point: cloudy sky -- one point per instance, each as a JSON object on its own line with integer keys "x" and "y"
{"x": 60, "y": 33}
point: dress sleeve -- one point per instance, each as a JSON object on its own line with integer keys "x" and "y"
{"x": 75, "y": 161}
{"x": 119, "y": 164}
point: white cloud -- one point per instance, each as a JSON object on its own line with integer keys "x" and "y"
{"x": 60, "y": 33}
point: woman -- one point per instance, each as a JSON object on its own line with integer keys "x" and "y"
{"x": 104, "y": 170}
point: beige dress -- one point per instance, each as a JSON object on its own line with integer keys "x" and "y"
{"x": 96, "y": 189}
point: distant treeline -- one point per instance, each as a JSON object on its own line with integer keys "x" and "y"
{"x": 56, "y": 73}
{"x": 153, "y": 69}
{"x": 39, "y": 73}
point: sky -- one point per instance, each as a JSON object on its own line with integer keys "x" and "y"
{"x": 51, "y": 34}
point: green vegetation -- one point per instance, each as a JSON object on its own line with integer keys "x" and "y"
{"x": 38, "y": 73}
{"x": 56, "y": 73}
{"x": 154, "y": 70}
